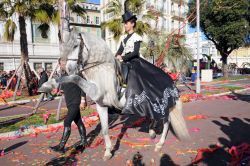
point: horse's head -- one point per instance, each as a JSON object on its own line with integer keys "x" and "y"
{"x": 73, "y": 51}
{"x": 84, "y": 49}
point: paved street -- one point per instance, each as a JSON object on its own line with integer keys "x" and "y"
{"x": 224, "y": 123}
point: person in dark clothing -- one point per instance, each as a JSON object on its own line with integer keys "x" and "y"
{"x": 72, "y": 94}
{"x": 42, "y": 80}
{"x": 149, "y": 92}
{"x": 43, "y": 77}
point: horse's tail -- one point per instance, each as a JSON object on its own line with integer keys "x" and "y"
{"x": 178, "y": 123}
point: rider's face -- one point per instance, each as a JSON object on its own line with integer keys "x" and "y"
{"x": 129, "y": 26}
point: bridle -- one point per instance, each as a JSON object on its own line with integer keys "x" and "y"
{"x": 80, "y": 66}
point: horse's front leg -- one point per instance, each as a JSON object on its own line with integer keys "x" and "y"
{"x": 48, "y": 86}
{"x": 89, "y": 88}
{"x": 103, "y": 113}
{"x": 160, "y": 144}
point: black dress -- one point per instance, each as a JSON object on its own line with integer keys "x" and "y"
{"x": 150, "y": 92}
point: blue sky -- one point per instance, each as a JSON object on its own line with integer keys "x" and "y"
{"x": 192, "y": 30}
{"x": 94, "y": 1}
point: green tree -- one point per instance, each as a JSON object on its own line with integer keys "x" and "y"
{"x": 177, "y": 57}
{"x": 224, "y": 22}
{"x": 43, "y": 11}
{"x": 116, "y": 9}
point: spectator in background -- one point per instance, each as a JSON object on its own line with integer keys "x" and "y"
{"x": 13, "y": 81}
{"x": 33, "y": 84}
{"x": 4, "y": 78}
{"x": 43, "y": 79}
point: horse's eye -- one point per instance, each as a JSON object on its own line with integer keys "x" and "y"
{"x": 75, "y": 46}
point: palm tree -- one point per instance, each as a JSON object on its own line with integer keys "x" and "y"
{"x": 115, "y": 8}
{"x": 177, "y": 57}
{"x": 43, "y": 11}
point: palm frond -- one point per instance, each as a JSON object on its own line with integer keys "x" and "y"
{"x": 41, "y": 16}
{"x": 136, "y": 6}
{"x": 114, "y": 7}
{"x": 21, "y": 8}
{"x": 56, "y": 17}
{"x": 76, "y": 8}
{"x": 3, "y": 12}
{"x": 44, "y": 29}
{"x": 115, "y": 26}
{"x": 142, "y": 28}
{"x": 9, "y": 30}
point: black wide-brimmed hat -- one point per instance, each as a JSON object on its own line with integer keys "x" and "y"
{"x": 128, "y": 16}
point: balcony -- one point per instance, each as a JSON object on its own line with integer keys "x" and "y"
{"x": 178, "y": 16}
{"x": 181, "y": 2}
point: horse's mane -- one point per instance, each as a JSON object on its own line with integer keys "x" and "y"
{"x": 98, "y": 50}
{"x": 70, "y": 41}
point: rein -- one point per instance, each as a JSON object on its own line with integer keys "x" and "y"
{"x": 80, "y": 60}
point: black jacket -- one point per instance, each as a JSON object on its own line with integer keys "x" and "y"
{"x": 43, "y": 78}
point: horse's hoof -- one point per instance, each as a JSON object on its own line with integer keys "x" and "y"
{"x": 158, "y": 148}
{"x": 107, "y": 157}
{"x": 152, "y": 134}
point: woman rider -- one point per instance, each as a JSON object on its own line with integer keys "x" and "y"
{"x": 150, "y": 92}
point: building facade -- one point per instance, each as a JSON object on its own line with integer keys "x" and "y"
{"x": 174, "y": 14}
{"x": 44, "y": 52}
{"x": 207, "y": 47}
{"x": 240, "y": 56}
{"x": 91, "y": 23}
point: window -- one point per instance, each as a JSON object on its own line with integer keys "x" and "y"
{"x": 1, "y": 30}
{"x": 37, "y": 37}
{"x": 48, "y": 67}
{"x": 88, "y": 20}
{"x": 79, "y": 19}
{"x": 98, "y": 32}
{"x": 88, "y": 29}
{"x": 37, "y": 66}
{"x": 172, "y": 7}
{"x": 1, "y": 66}
{"x": 172, "y": 25}
{"x": 97, "y": 20}
{"x": 164, "y": 23}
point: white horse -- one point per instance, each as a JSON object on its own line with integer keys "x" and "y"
{"x": 92, "y": 56}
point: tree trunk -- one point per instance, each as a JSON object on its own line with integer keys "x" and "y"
{"x": 24, "y": 51}
{"x": 224, "y": 64}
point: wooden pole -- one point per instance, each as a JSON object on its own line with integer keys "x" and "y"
{"x": 18, "y": 83}
{"x": 42, "y": 95}
{"x": 12, "y": 77}
{"x": 59, "y": 108}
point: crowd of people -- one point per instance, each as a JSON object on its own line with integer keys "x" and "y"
{"x": 5, "y": 78}
{"x": 36, "y": 81}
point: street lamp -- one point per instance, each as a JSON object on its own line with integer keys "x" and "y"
{"x": 198, "y": 83}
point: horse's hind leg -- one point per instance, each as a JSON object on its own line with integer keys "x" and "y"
{"x": 103, "y": 113}
{"x": 152, "y": 127}
{"x": 160, "y": 144}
